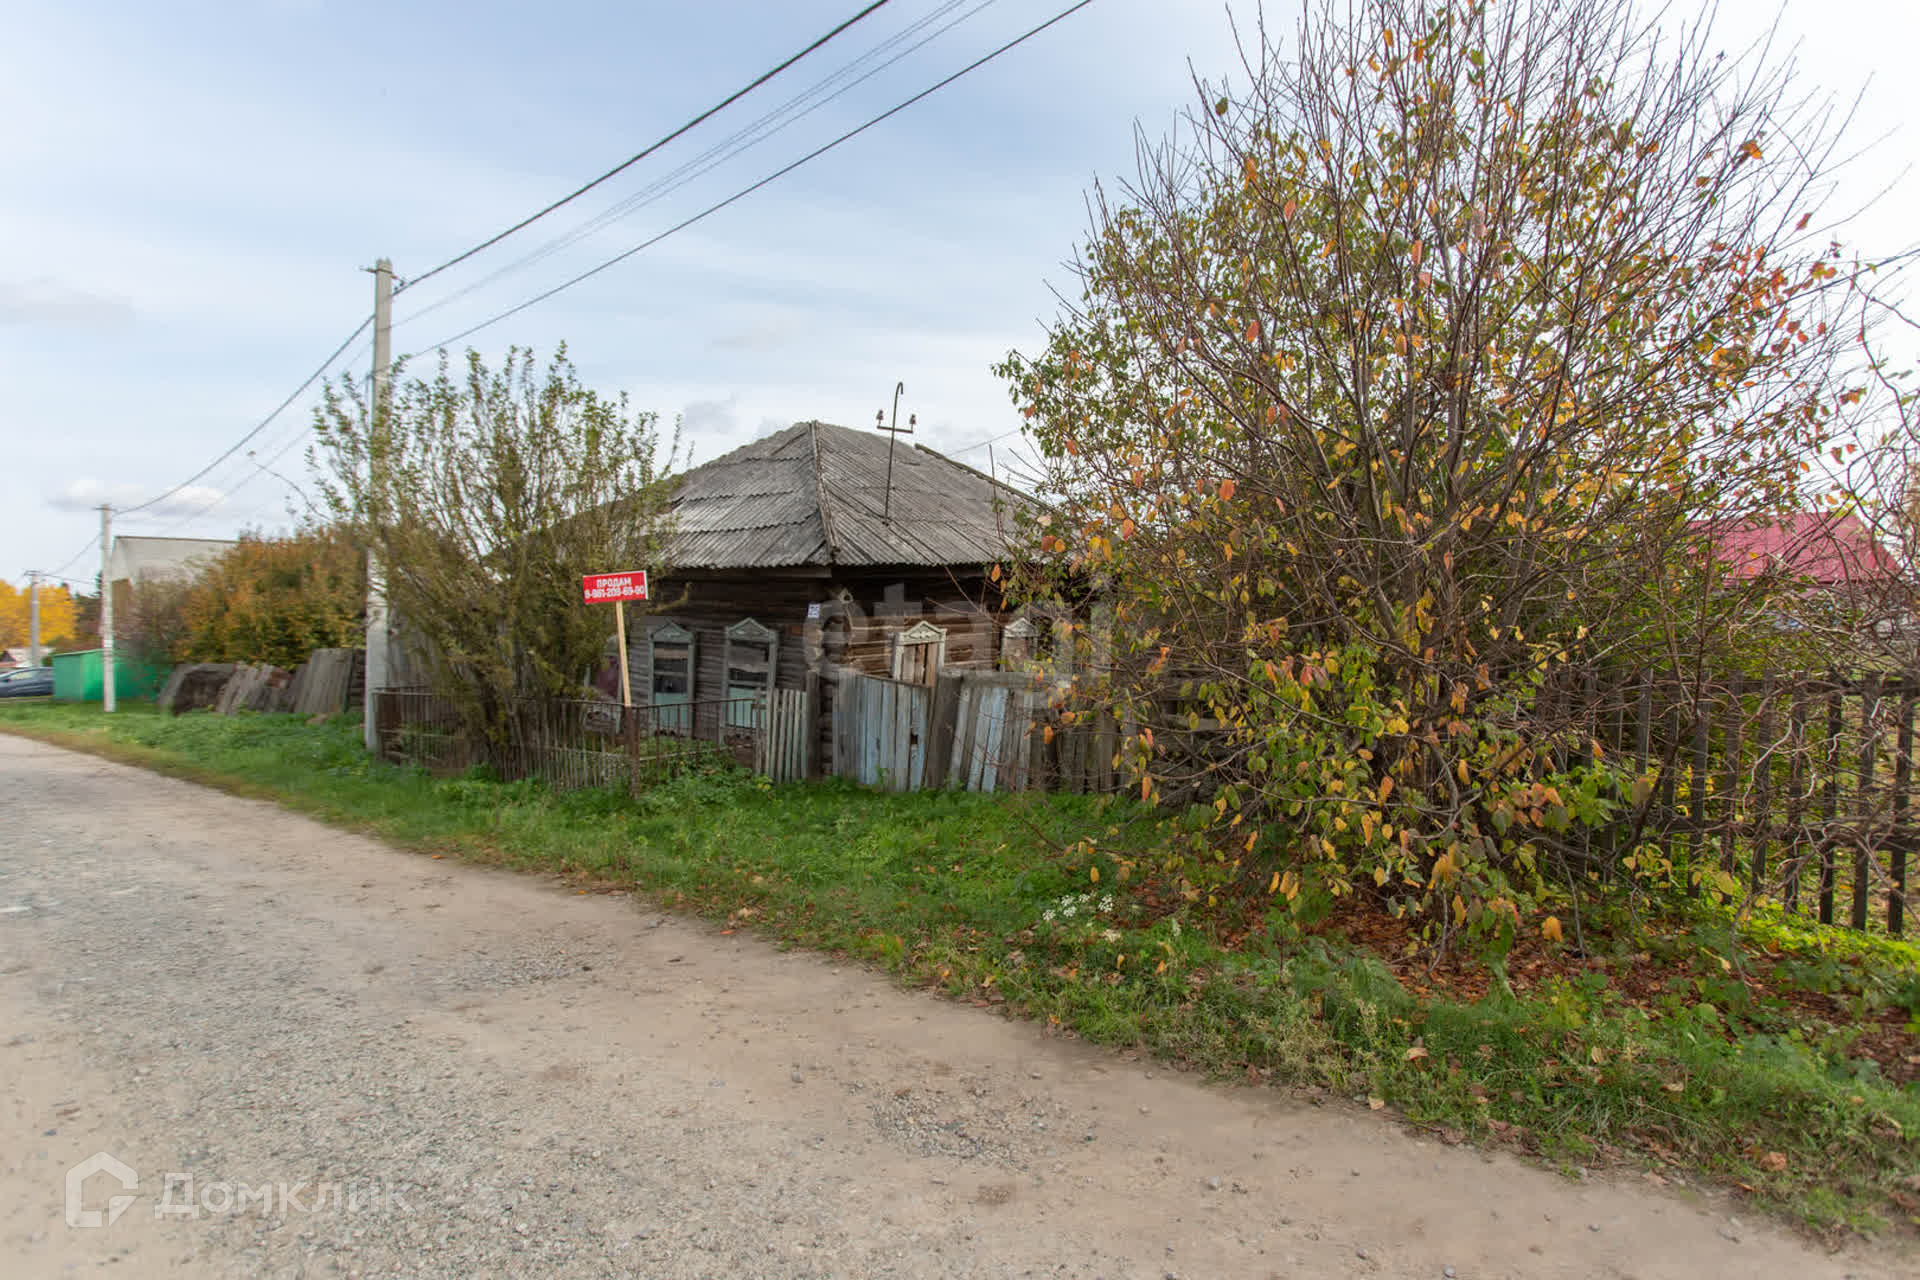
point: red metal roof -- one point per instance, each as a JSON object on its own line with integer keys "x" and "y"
{"x": 1829, "y": 550}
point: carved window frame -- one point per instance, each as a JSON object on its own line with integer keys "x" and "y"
{"x": 922, "y": 634}
{"x": 743, "y": 639}
{"x": 673, "y": 708}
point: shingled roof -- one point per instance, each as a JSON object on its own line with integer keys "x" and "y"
{"x": 813, "y": 495}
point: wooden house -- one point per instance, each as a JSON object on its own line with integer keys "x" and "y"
{"x": 811, "y": 551}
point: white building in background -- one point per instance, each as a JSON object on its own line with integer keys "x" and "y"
{"x": 135, "y": 560}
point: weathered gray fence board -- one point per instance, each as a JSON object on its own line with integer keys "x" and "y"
{"x": 992, "y": 710}
{"x": 975, "y": 730}
{"x": 781, "y": 726}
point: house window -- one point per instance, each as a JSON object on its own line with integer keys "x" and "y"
{"x": 919, "y": 652}
{"x": 671, "y": 659}
{"x": 752, "y": 651}
{"x": 1019, "y": 643}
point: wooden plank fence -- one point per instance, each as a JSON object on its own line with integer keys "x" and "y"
{"x": 880, "y": 731}
{"x": 1799, "y": 786}
{"x": 969, "y": 730}
{"x": 784, "y": 729}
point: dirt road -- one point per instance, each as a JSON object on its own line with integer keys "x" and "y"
{"x": 373, "y": 1063}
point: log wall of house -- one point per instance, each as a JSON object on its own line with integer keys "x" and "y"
{"x": 859, "y": 616}
{"x": 708, "y": 608}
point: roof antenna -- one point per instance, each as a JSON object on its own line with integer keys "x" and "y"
{"x": 894, "y": 432}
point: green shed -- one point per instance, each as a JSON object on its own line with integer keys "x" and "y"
{"x": 77, "y": 677}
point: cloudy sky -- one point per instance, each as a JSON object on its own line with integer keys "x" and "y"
{"x": 193, "y": 188}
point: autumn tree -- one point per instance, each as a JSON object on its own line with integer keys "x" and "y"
{"x": 502, "y": 488}
{"x": 13, "y": 615}
{"x": 59, "y": 624}
{"x": 1408, "y": 378}
{"x": 1876, "y": 496}
{"x": 271, "y": 598}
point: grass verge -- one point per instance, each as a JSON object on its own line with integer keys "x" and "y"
{"x": 1775, "y": 1070}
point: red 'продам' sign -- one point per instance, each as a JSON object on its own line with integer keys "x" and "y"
{"x": 605, "y": 588}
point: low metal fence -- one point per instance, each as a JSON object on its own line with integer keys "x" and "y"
{"x": 574, "y": 743}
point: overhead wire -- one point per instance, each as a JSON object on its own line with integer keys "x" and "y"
{"x": 222, "y": 493}
{"x": 260, "y": 426}
{"x": 642, "y": 154}
{"x": 777, "y": 174}
{"x": 740, "y": 141}
{"x": 981, "y": 444}
{"x": 362, "y": 351}
{"x": 812, "y": 47}
{"x": 646, "y": 196}
{"x": 73, "y": 559}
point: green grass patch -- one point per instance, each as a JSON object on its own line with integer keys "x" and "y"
{"x": 1693, "y": 1058}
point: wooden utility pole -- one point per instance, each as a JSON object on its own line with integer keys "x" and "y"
{"x": 106, "y": 608}
{"x": 377, "y": 625}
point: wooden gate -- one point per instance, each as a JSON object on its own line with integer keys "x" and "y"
{"x": 880, "y": 731}
{"x": 780, "y": 747}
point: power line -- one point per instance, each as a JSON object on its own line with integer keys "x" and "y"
{"x": 736, "y": 143}
{"x": 66, "y": 582}
{"x": 331, "y": 358}
{"x": 709, "y": 211}
{"x": 279, "y": 451}
{"x": 246, "y": 478}
{"x": 92, "y": 542}
{"x": 298, "y": 490}
{"x": 777, "y": 174}
{"x": 260, "y": 426}
{"x": 638, "y": 156}
{"x": 981, "y": 444}
{"x": 276, "y": 452}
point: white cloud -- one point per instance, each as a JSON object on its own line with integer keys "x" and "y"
{"x": 711, "y": 417}
{"x": 756, "y": 338}
{"x": 88, "y": 493}
{"x": 46, "y": 303}
{"x": 198, "y": 283}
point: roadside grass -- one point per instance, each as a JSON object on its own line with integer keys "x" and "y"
{"x": 1775, "y": 1067}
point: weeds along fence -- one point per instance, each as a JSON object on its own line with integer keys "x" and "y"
{"x": 572, "y": 744}
{"x": 1790, "y": 789}
{"x": 1798, "y": 788}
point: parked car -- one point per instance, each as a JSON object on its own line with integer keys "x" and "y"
{"x": 27, "y": 682}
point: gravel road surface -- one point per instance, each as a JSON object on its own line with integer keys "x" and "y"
{"x": 373, "y": 1063}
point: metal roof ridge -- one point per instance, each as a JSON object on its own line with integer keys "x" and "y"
{"x": 820, "y": 496}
